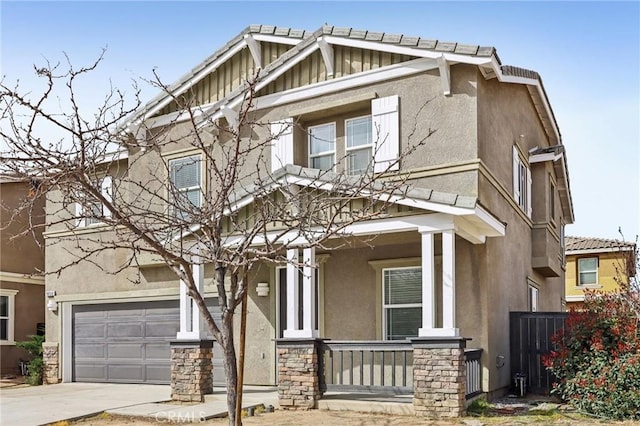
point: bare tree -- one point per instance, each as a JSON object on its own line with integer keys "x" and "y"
{"x": 221, "y": 206}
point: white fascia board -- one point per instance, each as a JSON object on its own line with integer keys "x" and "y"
{"x": 20, "y": 278}
{"x": 407, "y": 50}
{"x": 194, "y": 79}
{"x": 347, "y": 82}
{"x": 490, "y": 220}
{"x": 276, "y": 39}
{"x": 574, "y": 298}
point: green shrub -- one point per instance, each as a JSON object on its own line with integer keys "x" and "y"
{"x": 36, "y": 365}
{"x": 597, "y": 357}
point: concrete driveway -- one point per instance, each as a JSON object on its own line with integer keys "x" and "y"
{"x": 37, "y": 405}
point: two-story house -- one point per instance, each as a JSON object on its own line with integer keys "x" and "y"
{"x": 597, "y": 264}
{"x": 21, "y": 270}
{"x": 478, "y": 234}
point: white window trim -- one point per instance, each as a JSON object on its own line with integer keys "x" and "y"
{"x": 182, "y": 156}
{"x": 106, "y": 189}
{"x": 359, "y": 147}
{"x": 324, "y": 153}
{"x": 403, "y": 305}
{"x": 521, "y": 182}
{"x": 11, "y": 295}
{"x": 533, "y": 304}
{"x": 594, "y": 285}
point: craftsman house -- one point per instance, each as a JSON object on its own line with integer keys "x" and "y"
{"x": 478, "y": 234}
{"x": 21, "y": 266}
{"x": 596, "y": 264}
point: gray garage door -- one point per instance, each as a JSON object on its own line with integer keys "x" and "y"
{"x": 129, "y": 342}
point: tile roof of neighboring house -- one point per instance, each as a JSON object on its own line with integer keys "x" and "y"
{"x": 573, "y": 244}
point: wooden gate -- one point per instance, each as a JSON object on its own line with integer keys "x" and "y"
{"x": 530, "y": 338}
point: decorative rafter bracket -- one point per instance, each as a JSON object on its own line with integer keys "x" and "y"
{"x": 327, "y": 55}
{"x": 255, "y": 49}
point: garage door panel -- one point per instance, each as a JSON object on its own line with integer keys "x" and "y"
{"x": 91, "y": 330}
{"x": 91, "y": 372}
{"x": 158, "y": 374}
{"x": 157, "y": 351}
{"x": 127, "y": 330}
{"x": 125, "y": 373}
{"x": 161, "y": 328}
{"x": 124, "y": 350}
{"x": 119, "y": 313}
{"x": 93, "y": 350}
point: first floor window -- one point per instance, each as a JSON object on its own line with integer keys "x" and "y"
{"x": 588, "y": 271}
{"x": 322, "y": 146}
{"x": 359, "y": 144}
{"x": 7, "y": 298}
{"x": 186, "y": 182}
{"x": 402, "y": 302}
{"x": 533, "y": 298}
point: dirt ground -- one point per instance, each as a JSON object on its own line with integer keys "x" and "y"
{"x": 350, "y": 418}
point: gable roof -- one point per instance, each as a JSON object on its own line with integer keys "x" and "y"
{"x": 578, "y": 245}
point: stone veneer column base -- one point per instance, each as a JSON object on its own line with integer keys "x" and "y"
{"x": 298, "y": 382}
{"x": 50, "y": 369}
{"x": 191, "y": 370}
{"x": 439, "y": 377}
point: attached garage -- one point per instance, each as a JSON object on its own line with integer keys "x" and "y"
{"x": 129, "y": 342}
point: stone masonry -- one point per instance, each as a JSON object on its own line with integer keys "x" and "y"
{"x": 50, "y": 369}
{"x": 439, "y": 377}
{"x": 191, "y": 370}
{"x": 298, "y": 383}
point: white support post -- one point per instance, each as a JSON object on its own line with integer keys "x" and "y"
{"x": 190, "y": 324}
{"x": 293, "y": 289}
{"x": 309, "y": 292}
{"x": 449, "y": 283}
{"x": 428, "y": 286}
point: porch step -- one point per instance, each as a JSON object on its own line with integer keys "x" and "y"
{"x": 368, "y": 403}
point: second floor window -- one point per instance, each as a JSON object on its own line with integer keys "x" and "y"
{"x": 359, "y": 143}
{"x": 588, "y": 271}
{"x": 521, "y": 182}
{"x": 322, "y": 146}
{"x": 89, "y": 210}
{"x": 185, "y": 192}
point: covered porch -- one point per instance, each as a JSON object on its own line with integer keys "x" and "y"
{"x": 375, "y": 338}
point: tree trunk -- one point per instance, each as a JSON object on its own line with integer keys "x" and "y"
{"x": 230, "y": 366}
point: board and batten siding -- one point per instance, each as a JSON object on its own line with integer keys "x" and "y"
{"x": 233, "y": 73}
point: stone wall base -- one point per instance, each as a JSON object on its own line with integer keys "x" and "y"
{"x": 191, "y": 370}
{"x": 298, "y": 383}
{"x": 51, "y": 366}
{"x": 439, "y": 377}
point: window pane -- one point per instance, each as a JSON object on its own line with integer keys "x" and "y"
{"x": 4, "y": 306}
{"x": 403, "y": 322}
{"x": 4, "y": 324}
{"x": 185, "y": 172}
{"x": 590, "y": 264}
{"x": 324, "y": 162}
{"x": 322, "y": 139}
{"x": 359, "y": 132}
{"x": 403, "y": 286}
{"x": 359, "y": 161}
{"x": 587, "y": 278}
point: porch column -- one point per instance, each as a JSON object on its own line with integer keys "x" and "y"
{"x": 429, "y": 301}
{"x": 294, "y": 310}
{"x": 190, "y": 323}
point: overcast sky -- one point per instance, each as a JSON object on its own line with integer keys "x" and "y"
{"x": 586, "y": 52}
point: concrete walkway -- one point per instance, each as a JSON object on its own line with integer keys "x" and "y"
{"x": 37, "y": 405}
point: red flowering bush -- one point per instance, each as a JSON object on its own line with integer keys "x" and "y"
{"x": 597, "y": 356}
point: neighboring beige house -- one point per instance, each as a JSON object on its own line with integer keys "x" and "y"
{"x": 21, "y": 267}
{"x": 596, "y": 264}
{"x": 478, "y": 236}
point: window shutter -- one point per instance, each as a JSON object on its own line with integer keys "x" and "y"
{"x": 529, "y": 209}
{"x": 386, "y": 133}
{"x": 282, "y": 144}
{"x": 106, "y": 187}
{"x": 516, "y": 179}
{"x": 80, "y": 220}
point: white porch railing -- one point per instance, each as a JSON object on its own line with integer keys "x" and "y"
{"x": 474, "y": 372}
